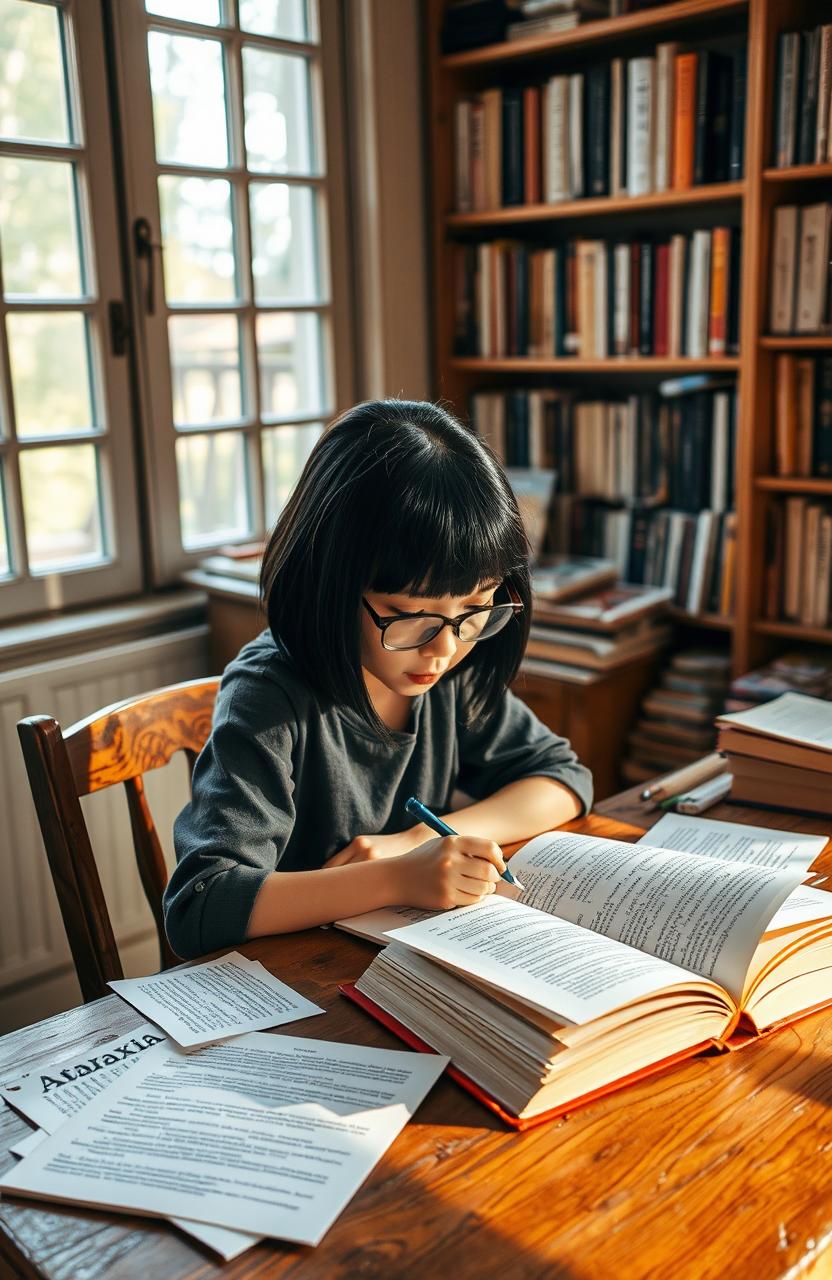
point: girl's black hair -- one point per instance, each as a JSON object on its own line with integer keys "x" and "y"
{"x": 398, "y": 497}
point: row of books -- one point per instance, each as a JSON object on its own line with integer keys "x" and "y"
{"x": 803, "y": 97}
{"x": 645, "y": 448}
{"x": 626, "y": 127}
{"x": 803, "y": 415}
{"x": 801, "y": 278}
{"x": 593, "y": 299}
{"x": 692, "y": 554}
{"x": 798, "y": 564}
{"x": 798, "y": 671}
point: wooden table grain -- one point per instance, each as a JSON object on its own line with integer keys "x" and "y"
{"x": 721, "y": 1166}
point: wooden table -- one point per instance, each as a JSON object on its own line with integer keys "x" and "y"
{"x": 721, "y": 1166}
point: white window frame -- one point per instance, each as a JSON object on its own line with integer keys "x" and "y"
{"x": 120, "y": 572}
{"x": 168, "y": 556}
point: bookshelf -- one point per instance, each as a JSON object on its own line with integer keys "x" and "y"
{"x": 747, "y": 203}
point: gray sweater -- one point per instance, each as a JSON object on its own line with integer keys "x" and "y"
{"x": 287, "y": 781}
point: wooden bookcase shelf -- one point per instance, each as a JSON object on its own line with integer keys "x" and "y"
{"x": 599, "y": 207}
{"x": 748, "y": 203}
{"x": 709, "y": 621}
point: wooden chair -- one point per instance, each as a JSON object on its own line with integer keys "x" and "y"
{"x": 117, "y": 744}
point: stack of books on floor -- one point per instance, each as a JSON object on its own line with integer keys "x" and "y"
{"x": 596, "y": 629}
{"x": 807, "y": 671}
{"x": 676, "y": 721}
{"x": 780, "y": 753}
{"x": 622, "y": 127}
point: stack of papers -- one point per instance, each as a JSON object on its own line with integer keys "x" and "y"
{"x": 229, "y": 1133}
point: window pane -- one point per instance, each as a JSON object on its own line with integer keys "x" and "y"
{"x": 50, "y": 372}
{"x": 285, "y": 450}
{"x": 205, "y": 11}
{"x": 213, "y": 489}
{"x": 32, "y": 86}
{"x": 283, "y": 243}
{"x": 39, "y": 228}
{"x": 278, "y": 125}
{"x": 289, "y": 360}
{"x": 284, "y": 18}
{"x": 188, "y": 86}
{"x": 198, "y": 235}
{"x": 205, "y": 365}
{"x": 61, "y": 506}
{"x": 5, "y": 567}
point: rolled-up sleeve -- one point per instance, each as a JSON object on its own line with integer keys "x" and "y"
{"x": 514, "y": 744}
{"x": 232, "y": 833}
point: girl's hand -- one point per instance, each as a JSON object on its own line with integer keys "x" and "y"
{"x": 448, "y": 871}
{"x": 368, "y": 848}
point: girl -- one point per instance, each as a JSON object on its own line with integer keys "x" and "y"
{"x": 397, "y": 591}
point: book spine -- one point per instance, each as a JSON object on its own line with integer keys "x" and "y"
{"x": 698, "y": 295}
{"x": 781, "y": 317}
{"x": 822, "y": 588}
{"x": 785, "y": 440}
{"x": 660, "y": 299}
{"x": 493, "y": 149}
{"x": 809, "y": 563}
{"x": 521, "y": 287}
{"x": 684, "y": 117}
{"x": 597, "y": 162}
{"x": 729, "y": 558}
{"x": 823, "y": 417}
{"x": 795, "y": 511}
{"x": 734, "y": 289}
{"x": 665, "y": 66}
{"x": 808, "y": 98}
{"x": 824, "y": 93}
{"x": 676, "y": 292}
{"x": 720, "y": 125}
{"x": 577, "y": 177}
{"x": 788, "y": 62}
{"x": 462, "y": 155}
{"x": 773, "y": 571}
{"x": 621, "y": 323}
{"x": 720, "y": 443}
{"x": 640, "y": 125}
{"x": 478, "y": 199}
{"x": 736, "y": 150}
{"x": 556, "y": 140}
{"x": 718, "y": 316}
{"x": 704, "y": 108}
{"x": 812, "y": 271}
{"x": 618, "y": 124}
{"x": 805, "y": 414}
{"x": 635, "y": 296}
{"x": 645, "y": 323}
{"x": 512, "y": 150}
{"x": 531, "y": 144}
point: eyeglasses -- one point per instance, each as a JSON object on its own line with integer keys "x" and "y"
{"x": 412, "y": 630}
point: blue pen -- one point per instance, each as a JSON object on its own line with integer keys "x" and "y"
{"x": 423, "y": 813}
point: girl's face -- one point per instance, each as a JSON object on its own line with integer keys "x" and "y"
{"x": 409, "y": 672}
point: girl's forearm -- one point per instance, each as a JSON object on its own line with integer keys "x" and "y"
{"x": 292, "y": 900}
{"x": 518, "y": 811}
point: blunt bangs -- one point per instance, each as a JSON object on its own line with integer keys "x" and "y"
{"x": 398, "y": 497}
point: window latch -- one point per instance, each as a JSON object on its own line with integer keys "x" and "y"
{"x": 144, "y": 245}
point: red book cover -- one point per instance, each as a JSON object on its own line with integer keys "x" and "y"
{"x": 515, "y": 1122}
{"x": 531, "y": 144}
{"x": 661, "y": 286}
{"x": 635, "y": 296}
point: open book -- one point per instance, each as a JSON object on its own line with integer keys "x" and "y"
{"x": 617, "y": 959}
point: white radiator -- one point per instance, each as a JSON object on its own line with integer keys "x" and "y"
{"x": 37, "y": 976}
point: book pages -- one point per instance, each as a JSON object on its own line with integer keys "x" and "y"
{"x": 734, "y": 841}
{"x": 795, "y": 717}
{"x": 703, "y": 914}
{"x": 551, "y": 964}
{"x": 268, "y": 1134}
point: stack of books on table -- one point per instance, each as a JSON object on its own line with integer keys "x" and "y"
{"x": 807, "y": 671}
{"x": 780, "y": 753}
{"x": 676, "y": 721}
{"x": 597, "y": 629}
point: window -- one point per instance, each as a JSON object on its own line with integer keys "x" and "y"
{"x": 231, "y": 196}
{"x": 234, "y": 189}
{"x": 68, "y": 508}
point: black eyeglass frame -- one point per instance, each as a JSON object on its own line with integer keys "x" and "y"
{"x": 514, "y": 603}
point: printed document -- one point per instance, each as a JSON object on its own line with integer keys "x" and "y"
{"x": 269, "y": 1134}
{"x": 214, "y": 1000}
{"x": 735, "y": 841}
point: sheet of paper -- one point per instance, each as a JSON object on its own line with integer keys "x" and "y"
{"x": 795, "y": 717}
{"x": 270, "y": 1134}
{"x": 702, "y": 914}
{"x": 50, "y": 1096}
{"x": 559, "y": 969}
{"x": 214, "y": 1000}
{"x": 802, "y": 905}
{"x": 735, "y": 841}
